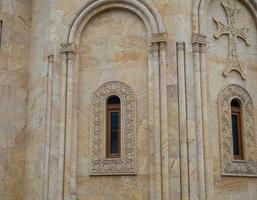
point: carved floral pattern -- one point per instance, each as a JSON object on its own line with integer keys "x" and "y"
{"x": 231, "y": 167}
{"x": 100, "y": 165}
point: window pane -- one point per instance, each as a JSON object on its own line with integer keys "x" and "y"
{"x": 235, "y": 134}
{"x": 115, "y": 121}
{"x": 115, "y": 132}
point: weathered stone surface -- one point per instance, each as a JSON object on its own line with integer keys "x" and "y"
{"x": 14, "y": 65}
{"x": 55, "y": 55}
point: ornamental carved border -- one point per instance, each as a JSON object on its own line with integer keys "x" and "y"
{"x": 229, "y": 166}
{"x": 100, "y": 165}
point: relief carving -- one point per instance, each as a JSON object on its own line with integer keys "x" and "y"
{"x": 159, "y": 38}
{"x": 233, "y": 32}
{"x": 68, "y": 47}
{"x": 100, "y": 165}
{"x": 231, "y": 167}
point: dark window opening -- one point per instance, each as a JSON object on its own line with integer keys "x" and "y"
{"x": 1, "y": 31}
{"x": 236, "y": 130}
{"x": 113, "y": 127}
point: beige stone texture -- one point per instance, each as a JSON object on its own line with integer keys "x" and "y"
{"x": 118, "y": 55}
{"x": 217, "y": 53}
{"x": 54, "y": 56}
{"x": 14, "y": 65}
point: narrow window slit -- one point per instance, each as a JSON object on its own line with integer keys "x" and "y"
{"x": 236, "y": 130}
{"x": 113, "y": 127}
{"x": 1, "y": 31}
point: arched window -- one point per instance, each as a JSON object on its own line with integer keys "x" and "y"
{"x": 113, "y": 127}
{"x": 236, "y": 129}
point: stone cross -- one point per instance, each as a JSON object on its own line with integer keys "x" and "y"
{"x": 233, "y": 32}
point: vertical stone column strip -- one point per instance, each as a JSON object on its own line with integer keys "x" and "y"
{"x": 48, "y": 125}
{"x": 55, "y": 123}
{"x": 183, "y": 136}
{"x": 159, "y": 122}
{"x": 62, "y": 124}
{"x": 68, "y": 55}
{"x": 209, "y": 182}
{"x": 199, "y": 120}
{"x": 73, "y": 181}
{"x": 164, "y": 120}
{"x": 154, "y": 125}
{"x": 68, "y": 176}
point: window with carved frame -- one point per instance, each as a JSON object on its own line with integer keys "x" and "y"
{"x": 237, "y": 132}
{"x": 113, "y": 130}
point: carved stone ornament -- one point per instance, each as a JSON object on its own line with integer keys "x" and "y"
{"x": 233, "y": 32}
{"x": 231, "y": 167}
{"x": 199, "y": 39}
{"x": 68, "y": 47}
{"x": 159, "y": 38}
{"x": 100, "y": 165}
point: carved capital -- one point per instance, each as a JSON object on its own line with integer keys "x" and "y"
{"x": 68, "y": 47}
{"x": 199, "y": 39}
{"x": 154, "y": 47}
{"x": 196, "y": 47}
{"x": 163, "y": 46}
{"x": 180, "y": 46}
{"x": 202, "y": 48}
{"x": 71, "y": 56}
{"x": 159, "y": 38}
{"x": 51, "y": 59}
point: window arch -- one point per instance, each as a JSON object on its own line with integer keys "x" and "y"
{"x": 236, "y": 117}
{"x": 113, "y": 125}
{"x": 236, "y": 127}
{"x": 118, "y": 157}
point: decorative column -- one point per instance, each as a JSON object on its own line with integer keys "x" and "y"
{"x": 66, "y": 191}
{"x": 205, "y": 170}
{"x": 183, "y": 135}
{"x": 48, "y": 124}
{"x": 159, "y": 169}
{"x": 164, "y": 119}
{"x": 209, "y": 183}
{"x": 197, "y": 41}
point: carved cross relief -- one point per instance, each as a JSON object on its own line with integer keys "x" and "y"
{"x": 233, "y": 32}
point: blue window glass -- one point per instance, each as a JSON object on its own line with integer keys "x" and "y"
{"x": 235, "y": 134}
{"x": 113, "y": 127}
{"x": 114, "y": 132}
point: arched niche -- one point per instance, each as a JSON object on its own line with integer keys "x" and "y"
{"x": 156, "y": 89}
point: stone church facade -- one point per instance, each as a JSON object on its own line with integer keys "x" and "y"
{"x": 128, "y": 100}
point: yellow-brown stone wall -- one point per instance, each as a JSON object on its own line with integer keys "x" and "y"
{"x": 107, "y": 47}
{"x": 229, "y": 187}
{"x": 14, "y": 65}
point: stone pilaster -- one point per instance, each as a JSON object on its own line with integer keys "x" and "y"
{"x": 183, "y": 142}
